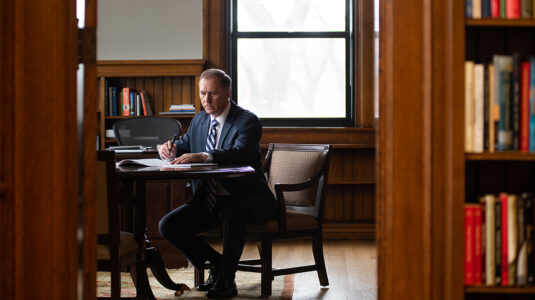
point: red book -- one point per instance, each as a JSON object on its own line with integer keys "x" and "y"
{"x": 477, "y": 244}
{"x": 495, "y": 8}
{"x": 469, "y": 245}
{"x": 126, "y": 101}
{"x": 512, "y": 9}
{"x": 524, "y": 106}
{"x": 147, "y": 110}
{"x": 505, "y": 263}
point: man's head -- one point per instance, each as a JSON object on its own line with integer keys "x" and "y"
{"x": 214, "y": 91}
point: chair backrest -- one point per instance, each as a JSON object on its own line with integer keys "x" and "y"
{"x": 297, "y": 163}
{"x": 146, "y": 131}
{"x": 106, "y": 201}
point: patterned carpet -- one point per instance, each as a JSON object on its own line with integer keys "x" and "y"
{"x": 248, "y": 285}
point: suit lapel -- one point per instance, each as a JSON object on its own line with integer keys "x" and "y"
{"x": 204, "y": 131}
{"x": 229, "y": 122}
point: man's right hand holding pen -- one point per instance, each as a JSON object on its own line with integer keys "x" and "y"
{"x": 168, "y": 150}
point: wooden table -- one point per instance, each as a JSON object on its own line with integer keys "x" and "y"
{"x": 134, "y": 180}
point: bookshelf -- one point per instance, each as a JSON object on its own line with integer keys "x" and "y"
{"x": 506, "y": 171}
{"x": 166, "y": 82}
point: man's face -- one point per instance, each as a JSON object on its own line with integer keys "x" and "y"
{"x": 214, "y": 98}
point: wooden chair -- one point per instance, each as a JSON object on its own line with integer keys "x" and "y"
{"x": 297, "y": 174}
{"x": 116, "y": 249}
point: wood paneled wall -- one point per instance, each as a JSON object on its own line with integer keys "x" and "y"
{"x": 351, "y": 191}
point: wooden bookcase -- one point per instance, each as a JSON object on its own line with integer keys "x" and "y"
{"x": 512, "y": 171}
{"x": 165, "y": 81}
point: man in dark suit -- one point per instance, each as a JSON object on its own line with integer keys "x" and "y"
{"x": 223, "y": 133}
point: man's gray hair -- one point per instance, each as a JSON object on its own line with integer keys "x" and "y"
{"x": 224, "y": 79}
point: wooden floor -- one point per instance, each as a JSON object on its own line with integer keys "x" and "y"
{"x": 351, "y": 268}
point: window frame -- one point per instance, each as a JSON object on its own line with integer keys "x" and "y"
{"x": 348, "y": 36}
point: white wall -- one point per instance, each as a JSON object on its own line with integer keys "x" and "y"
{"x": 149, "y": 29}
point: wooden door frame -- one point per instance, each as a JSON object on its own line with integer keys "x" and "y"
{"x": 39, "y": 150}
{"x": 420, "y": 159}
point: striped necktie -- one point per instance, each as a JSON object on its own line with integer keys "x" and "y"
{"x": 211, "y": 185}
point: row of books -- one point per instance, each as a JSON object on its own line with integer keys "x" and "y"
{"x": 499, "y": 241}
{"x": 503, "y": 9}
{"x": 126, "y": 102}
{"x": 500, "y": 104}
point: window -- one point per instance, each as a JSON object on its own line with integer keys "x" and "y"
{"x": 292, "y": 61}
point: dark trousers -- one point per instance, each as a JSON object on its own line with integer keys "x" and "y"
{"x": 182, "y": 225}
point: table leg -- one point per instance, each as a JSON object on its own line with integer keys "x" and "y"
{"x": 155, "y": 262}
{"x": 152, "y": 255}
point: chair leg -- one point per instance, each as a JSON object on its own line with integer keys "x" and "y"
{"x": 267, "y": 272}
{"x": 198, "y": 277}
{"x": 115, "y": 281}
{"x": 317, "y": 250}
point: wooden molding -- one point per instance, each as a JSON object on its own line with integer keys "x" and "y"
{"x": 364, "y": 64}
{"x": 420, "y": 161}
{"x": 148, "y": 68}
{"x": 349, "y": 231}
{"x": 348, "y": 137}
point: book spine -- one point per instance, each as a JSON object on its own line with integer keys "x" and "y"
{"x": 530, "y": 261}
{"x": 126, "y": 101}
{"x": 114, "y": 100}
{"x": 505, "y": 239}
{"x": 492, "y": 110}
{"x": 486, "y": 108}
{"x": 505, "y": 133}
{"x": 139, "y": 111}
{"x": 495, "y": 8}
{"x": 498, "y": 241}
{"x": 524, "y": 107}
{"x": 468, "y": 9}
{"x": 515, "y": 102}
{"x": 469, "y": 245}
{"x": 106, "y": 99}
{"x": 121, "y": 106}
{"x": 512, "y": 9}
{"x": 512, "y": 238}
{"x": 521, "y": 263}
{"x": 469, "y": 106}
{"x": 527, "y": 9}
{"x": 503, "y": 9}
{"x": 110, "y": 101}
{"x": 490, "y": 228}
{"x": 477, "y": 243}
{"x": 476, "y": 9}
{"x": 532, "y": 104}
{"x": 485, "y": 9}
{"x": 478, "y": 130}
{"x": 132, "y": 103}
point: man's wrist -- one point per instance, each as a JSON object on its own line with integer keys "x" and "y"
{"x": 209, "y": 157}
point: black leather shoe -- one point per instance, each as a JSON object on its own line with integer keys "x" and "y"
{"x": 209, "y": 283}
{"x": 224, "y": 287}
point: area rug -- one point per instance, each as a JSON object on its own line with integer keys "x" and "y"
{"x": 248, "y": 285}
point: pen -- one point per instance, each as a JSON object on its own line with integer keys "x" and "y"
{"x": 173, "y": 140}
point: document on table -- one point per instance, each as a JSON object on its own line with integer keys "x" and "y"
{"x": 155, "y": 162}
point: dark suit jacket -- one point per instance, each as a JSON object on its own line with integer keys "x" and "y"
{"x": 238, "y": 144}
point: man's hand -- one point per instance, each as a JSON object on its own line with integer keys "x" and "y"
{"x": 190, "y": 158}
{"x": 167, "y": 151}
